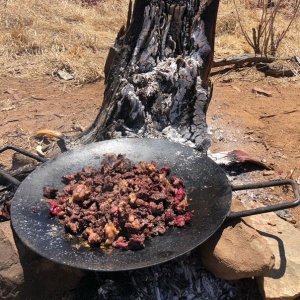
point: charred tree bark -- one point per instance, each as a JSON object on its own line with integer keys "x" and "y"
{"x": 156, "y": 74}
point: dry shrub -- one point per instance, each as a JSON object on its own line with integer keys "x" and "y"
{"x": 91, "y": 2}
{"x": 268, "y": 33}
{"x": 232, "y": 42}
{"x": 39, "y": 37}
{"x": 227, "y": 23}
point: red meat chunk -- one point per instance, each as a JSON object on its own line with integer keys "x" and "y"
{"x": 120, "y": 204}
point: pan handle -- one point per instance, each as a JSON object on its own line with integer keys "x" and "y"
{"x": 269, "y": 208}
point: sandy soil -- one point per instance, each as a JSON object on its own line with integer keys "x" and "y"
{"x": 264, "y": 127}
{"x": 267, "y": 128}
{"x": 29, "y": 105}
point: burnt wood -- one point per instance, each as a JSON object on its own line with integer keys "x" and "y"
{"x": 156, "y": 75}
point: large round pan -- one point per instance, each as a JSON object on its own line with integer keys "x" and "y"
{"x": 208, "y": 189}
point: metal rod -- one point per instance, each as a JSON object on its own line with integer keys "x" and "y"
{"x": 22, "y": 151}
{"x": 10, "y": 178}
{"x": 269, "y": 208}
{"x": 260, "y": 185}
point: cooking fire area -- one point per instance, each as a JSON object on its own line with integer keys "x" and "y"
{"x": 211, "y": 271}
{"x": 228, "y": 245}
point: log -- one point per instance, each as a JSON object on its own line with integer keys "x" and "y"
{"x": 275, "y": 71}
{"x": 243, "y": 59}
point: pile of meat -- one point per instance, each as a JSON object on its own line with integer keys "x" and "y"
{"x": 121, "y": 203}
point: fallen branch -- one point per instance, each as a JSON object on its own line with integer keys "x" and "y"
{"x": 262, "y": 63}
{"x": 243, "y": 59}
{"x": 275, "y": 71}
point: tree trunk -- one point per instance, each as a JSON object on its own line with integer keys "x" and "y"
{"x": 156, "y": 74}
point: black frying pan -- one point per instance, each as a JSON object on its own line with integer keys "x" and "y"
{"x": 208, "y": 190}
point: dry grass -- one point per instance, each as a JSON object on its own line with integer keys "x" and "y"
{"x": 230, "y": 40}
{"x": 39, "y": 37}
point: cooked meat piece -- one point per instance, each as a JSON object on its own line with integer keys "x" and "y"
{"x": 161, "y": 230}
{"x": 131, "y": 218}
{"x": 72, "y": 227}
{"x": 179, "y": 221}
{"x": 68, "y": 189}
{"x": 188, "y": 216}
{"x": 110, "y": 233}
{"x": 180, "y": 193}
{"x": 49, "y": 192}
{"x": 182, "y": 206}
{"x": 68, "y": 178}
{"x": 156, "y": 209}
{"x": 120, "y": 204}
{"x": 55, "y": 208}
{"x": 151, "y": 167}
{"x": 169, "y": 214}
{"x": 159, "y": 196}
{"x": 80, "y": 192}
{"x": 136, "y": 242}
{"x": 93, "y": 238}
{"x": 164, "y": 181}
{"x": 132, "y": 198}
{"x": 165, "y": 170}
{"x": 176, "y": 181}
{"x": 140, "y": 203}
{"x": 134, "y": 226}
{"x": 121, "y": 243}
{"x": 123, "y": 185}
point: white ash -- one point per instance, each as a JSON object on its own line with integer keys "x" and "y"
{"x": 172, "y": 134}
{"x": 220, "y": 158}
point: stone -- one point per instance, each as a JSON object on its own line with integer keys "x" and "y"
{"x": 11, "y": 271}
{"x": 283, "y": 281}
{"x": 63, "y": 74}
{"x": 236, "y": 251}
{"x": 26, "y": 275}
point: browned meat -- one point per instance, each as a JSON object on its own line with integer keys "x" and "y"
{"x": 136, "y": 242}
{"x": 80, "y": 192}
{"x": 120, "y": 204}
{"x": 110, "y": 233}
{"x": 93, "y": 238}
{"x": 49, "y": 192}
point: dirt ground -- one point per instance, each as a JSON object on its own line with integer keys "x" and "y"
{"x": 267, "y": 128}
{"x": 264, "y": 127}
{"x": 30, "y": 105}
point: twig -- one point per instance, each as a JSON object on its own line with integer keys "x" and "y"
{"x": 290, "y": 112}
{"x": 267, "y": 116}
{"x": 242, "y": 28}
{"x": 283, "y": 34}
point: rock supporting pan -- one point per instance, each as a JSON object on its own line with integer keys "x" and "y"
{"x": 207, "y": 186}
